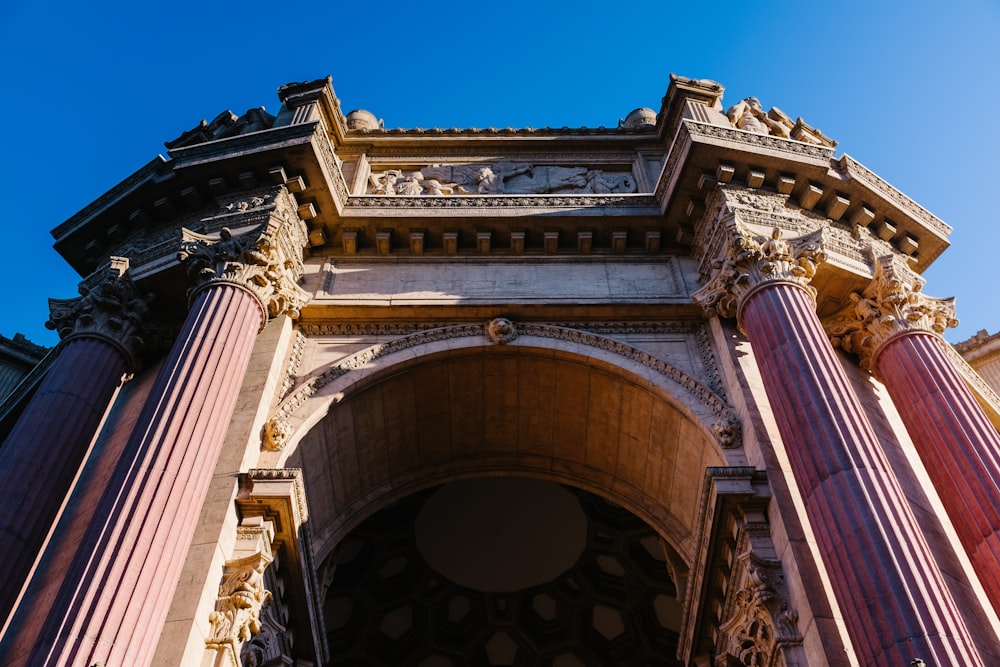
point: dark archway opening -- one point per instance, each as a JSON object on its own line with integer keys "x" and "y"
{"x": 502, "y": 571}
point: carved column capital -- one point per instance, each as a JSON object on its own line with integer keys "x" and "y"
{"x": 242, "y": 594}
{"x": 266, "y": 260}
{"x": 748, "y": 261}
{"x": 110, "y": 307}
{"x": 890, "y": 306}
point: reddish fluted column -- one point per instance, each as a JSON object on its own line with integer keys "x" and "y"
{"x": 959, "y": 446}
{"x": 894, "y": 600}
{"x": 892, "y": 595}
{"x": 114, "y": 597}
{"x": 47, "y": 446}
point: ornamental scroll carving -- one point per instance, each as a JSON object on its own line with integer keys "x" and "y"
{"x": 891, "y": 305}
{"x": 748, "y": 260}
{"x": 500, "y": 178}
{"x": 110, "y": 306}
{"x": 242, "y": 594}
{"x": 759, "y": 623}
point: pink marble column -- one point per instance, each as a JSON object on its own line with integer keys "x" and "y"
{"x": 897, "y": 333}
{"x": 888, "y": 587}
{"x": 893, "y": 598}
{"x": 109, "y": 605}
{"x": 47, "y": 446}
{"x": 118, "y": 590}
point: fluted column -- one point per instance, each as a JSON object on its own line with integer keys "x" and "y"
{"x": 897, "y": 330}
{"x": 895, "y": 604}
{"x": 44, "y": 451}
{"x": 114, "y": 598}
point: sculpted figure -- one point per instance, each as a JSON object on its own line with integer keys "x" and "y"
{"x": 386, "y": 183}
{"x": 488, "y": 182}
{"x": 602, "y": 183}
{"x": 749, "y": 115}
{"x": 411, "y": 185}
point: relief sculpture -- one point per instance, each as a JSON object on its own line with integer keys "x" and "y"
{"x": 497, "y": 179}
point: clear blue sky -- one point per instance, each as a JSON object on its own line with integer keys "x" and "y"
{"x": 92, "y": 90}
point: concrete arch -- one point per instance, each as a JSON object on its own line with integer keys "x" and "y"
{"x": 551, "y": 408}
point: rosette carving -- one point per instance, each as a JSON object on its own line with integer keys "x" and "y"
{"x": 254, "y": 261}
{"x": 891, "y": 305}
{"x": 749, "y": 260}
{"x": 110, "y": 306}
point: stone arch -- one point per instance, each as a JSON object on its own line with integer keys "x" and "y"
{"x": 548, "y": 403}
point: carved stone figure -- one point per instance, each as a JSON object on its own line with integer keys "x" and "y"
{"x": 749, "y": 115}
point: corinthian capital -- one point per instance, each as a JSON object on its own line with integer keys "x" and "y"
{"x": 748, "y": 260}
{"x": 891, "y": 305}
{"x": 110, "y": 306}
{"x": 255, "y": 260}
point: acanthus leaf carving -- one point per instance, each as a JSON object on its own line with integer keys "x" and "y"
{"x": 890, "y": 306}
{"x": 254, "y": 261}
{"x": 749, "y": 260}
{"x": 110, "y": 306}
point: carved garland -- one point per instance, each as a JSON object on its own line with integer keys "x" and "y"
{"x": 726, "y": 426}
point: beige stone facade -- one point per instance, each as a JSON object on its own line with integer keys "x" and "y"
{"x": 538, "y": 348}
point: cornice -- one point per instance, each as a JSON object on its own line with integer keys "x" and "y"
{"x": 152, "y": 171}
{"x": 860, "y": 173}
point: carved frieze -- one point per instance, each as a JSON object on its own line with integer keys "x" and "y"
{"x": 499, "y": 179}
{"x": 891, "y": 305}
{"x": 110, "y": 306}
{"x": 267, "y": 260}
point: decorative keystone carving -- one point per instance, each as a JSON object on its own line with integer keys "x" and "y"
{"x": 110, "y": 306}
{"x": 276, "y": 434}
{"x": 254, "y": 261}
{"x": 891, "y": 305}
{"x": 236, "y": 619}
{"x": 501, "y": 331}
{"x": 750, "y": 260}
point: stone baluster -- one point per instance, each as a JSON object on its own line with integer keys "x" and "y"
{"x": 895, "y": 603}
{"x": 896, "y": 330}
{"x": 101, "y": 336}
{"x": 113, "y": 600}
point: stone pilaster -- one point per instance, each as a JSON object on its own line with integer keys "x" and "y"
{"x": 116, "y": 593}
{"x": 102, "y": 335}
{"x": 896, "y": 331}
{"x": 895, "y": 602}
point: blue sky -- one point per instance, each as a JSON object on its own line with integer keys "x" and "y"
{"x": 91, "y": 91}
